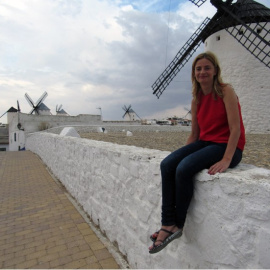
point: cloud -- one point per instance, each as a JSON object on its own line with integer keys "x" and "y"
{"x": 191, "y": 12}
{"x": 91, "y": 54}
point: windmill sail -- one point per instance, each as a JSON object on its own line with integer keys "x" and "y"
{"x": 198, "y": 3}
{"x": 31, "y": 103}
{"x": 128, "y": 111}
{"x": 29, "y": 100}
{"x": 254, "y": 43}
{"x": 38, "y": 103}
{"x": 183, "y": 56}
{"x": 247, "y": 21}
{"x": 41, "y": 99}
{"x": 18, "y": 106}
{"x": 3, "y": 114}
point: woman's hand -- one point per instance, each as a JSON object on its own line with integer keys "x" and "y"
{"x": 219, "y": 167}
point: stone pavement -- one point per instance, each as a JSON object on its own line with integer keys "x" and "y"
{"x": 39, "y": 225}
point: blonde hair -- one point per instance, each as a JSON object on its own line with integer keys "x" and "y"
{"x": 217, "y": 83}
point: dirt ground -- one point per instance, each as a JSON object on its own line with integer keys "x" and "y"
{"x": 257, "y": 149}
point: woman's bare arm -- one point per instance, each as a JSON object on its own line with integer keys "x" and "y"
{"x": 231, "y": 105}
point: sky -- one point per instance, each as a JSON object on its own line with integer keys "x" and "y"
{"x": 92, "y": 54}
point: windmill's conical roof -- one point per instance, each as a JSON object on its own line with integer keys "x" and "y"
{"x": 12, "y": 109}
{"x": 248, "y": 11}
{"x": 62, "y": 112}
{"x": 43, "y": 107}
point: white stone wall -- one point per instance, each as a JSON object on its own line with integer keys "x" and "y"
{"x": 228, "y": 224}
{"x": 249, "y": 77}
{"x": 33, "y": 123}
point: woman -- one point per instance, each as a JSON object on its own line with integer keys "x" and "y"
{"x": 216, "y": 143}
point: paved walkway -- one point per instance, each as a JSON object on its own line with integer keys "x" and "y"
{"x": 39, "y": 226}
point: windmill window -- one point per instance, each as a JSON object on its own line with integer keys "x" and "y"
{"x": 14, "y": 137}
{"x": 241, "y": 32}
{"x": 217, "y": 38}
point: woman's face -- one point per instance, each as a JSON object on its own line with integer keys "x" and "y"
{"x": 204, "y": 71}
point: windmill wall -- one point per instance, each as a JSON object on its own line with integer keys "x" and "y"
{"x": 249, "y": 77}
{"x": 130, "y": 116}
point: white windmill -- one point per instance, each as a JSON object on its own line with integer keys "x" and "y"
{"x": 60, "y": 111}
{"x": 130, "y": 114}
{"x": 239, "y": 34}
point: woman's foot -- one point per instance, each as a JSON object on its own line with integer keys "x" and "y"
{"x": 154, "y": 236}
{"x": 164, "y": 236}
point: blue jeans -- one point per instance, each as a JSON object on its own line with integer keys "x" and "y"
{"x": 177, "y": 172}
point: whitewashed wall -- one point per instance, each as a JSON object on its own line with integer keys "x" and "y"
{"x": 228, "y": 224}
{"x": 32, "y": 123}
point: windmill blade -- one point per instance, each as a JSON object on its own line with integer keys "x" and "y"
{"x": 128, "y": 109}
{"x": 253, "y": 36}
{"x": 34, "y": 109}
{"x": 188, "y": 110}
{"x": 125, "y": 109}
{"x": 251, "y": 32}
{"x": 198, "y": 3}
{"x": 3, "y": 114}
{"x": 184, "y": 55}
{"x": 138, "y": 115}
{"x": 41, "y": 99}
{"x": 58, "y": 108}
{"x": 18, "y": 106}
{"x": 257, "y": 46}
{"x": 29, "y": 100}
{"x": 125, "y": 114}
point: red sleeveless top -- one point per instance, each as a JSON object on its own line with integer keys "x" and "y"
{"x": 213, "y": 122}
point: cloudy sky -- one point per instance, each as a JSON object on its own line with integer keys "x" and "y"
{"x": 89, "y": 54}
